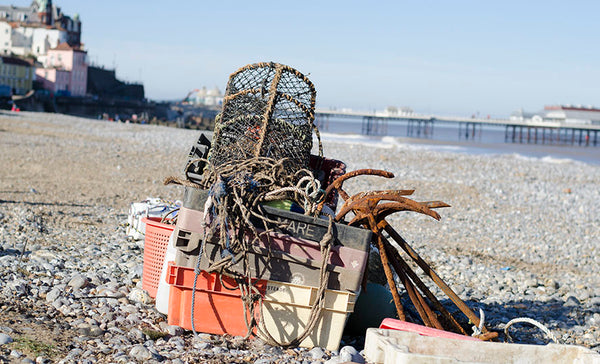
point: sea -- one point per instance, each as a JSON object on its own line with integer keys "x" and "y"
{"x": 485, "y": 139}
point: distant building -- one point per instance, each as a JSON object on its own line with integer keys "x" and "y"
{"x": 212, "y": 97}
{"x": 16, "y": 74}
{"x": 65, "y": 70}
{"x": 36, "y": 29}
{"x": 522, "y": 115}
{"x": 572, "y": 114}
{"x": 396, "y": 111}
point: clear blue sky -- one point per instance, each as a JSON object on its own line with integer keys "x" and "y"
{"x": 448, "y": 57}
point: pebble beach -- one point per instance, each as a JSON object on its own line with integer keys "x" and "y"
{"x": 521, "y": 239}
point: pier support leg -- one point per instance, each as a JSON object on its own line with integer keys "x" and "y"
{"x": 587, "y": 138}
{"x": 520, "y": 134}
{"x": 543, "y": 135}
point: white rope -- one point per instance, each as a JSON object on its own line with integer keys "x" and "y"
{"x": 478, "y": 330}
{"x": 312, "y": 187}
{"x": 532, "y": 322}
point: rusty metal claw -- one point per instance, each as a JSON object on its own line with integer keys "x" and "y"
{"x": 337, "y": 184}
{"x": 369, "y": 204}
{"x": 370, "y": 209}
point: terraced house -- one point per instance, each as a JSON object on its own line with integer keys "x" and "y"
{"x": 16, "y": 74}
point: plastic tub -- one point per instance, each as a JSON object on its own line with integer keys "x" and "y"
{"x": 399, "y": 347}
{"x": 218, "y": 307}
{"x": 286, "y": 311}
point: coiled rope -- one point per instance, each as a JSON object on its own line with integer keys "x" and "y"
{"x": 532, "y": 322}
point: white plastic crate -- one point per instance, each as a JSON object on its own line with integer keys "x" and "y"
{"x": 398, "y": 347}
{"x": 286, "y": 310}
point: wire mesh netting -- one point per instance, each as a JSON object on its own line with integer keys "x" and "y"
{"x": 268, "y": 111}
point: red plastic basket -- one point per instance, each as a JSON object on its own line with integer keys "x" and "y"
{"x": 155, "y": 247}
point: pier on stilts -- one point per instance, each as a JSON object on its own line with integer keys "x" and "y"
{"x": 560, "y": 135}
{"x": 516, "y": 131}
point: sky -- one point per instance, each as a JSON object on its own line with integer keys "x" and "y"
{"x": 443, "y": 57}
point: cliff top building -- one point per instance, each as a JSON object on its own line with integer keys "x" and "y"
{"x": 35, "y": 29}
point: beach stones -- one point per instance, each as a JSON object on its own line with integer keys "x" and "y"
{"x": 512, "y": 244}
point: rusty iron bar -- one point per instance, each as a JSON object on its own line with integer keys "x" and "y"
{"x": 435, "y": 204}
{"x": 365, "y": 209}
{"x": 423, "y": 309}
{"x": 365, "y": 206}
{"x": 337, "y": 184}
{"x": 433, "y": 318}
{"x": 488, "y": 336}
{"x": 395, "y": 258}
{"x": 462, "y": 306}
{"x": 387, "y": 270}
{"x": 400, "y": 203}
{"x": 378, "y": 193}
{"x": 388, "y": 208}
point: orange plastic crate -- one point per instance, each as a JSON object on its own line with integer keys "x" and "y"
{"x": 156, "y": 241}
{"x": 218, "y": 307}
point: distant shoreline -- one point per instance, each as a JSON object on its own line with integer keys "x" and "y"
{"x": 589, "y": 155}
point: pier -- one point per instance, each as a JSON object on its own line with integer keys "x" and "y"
{"x": 516, "y": 131}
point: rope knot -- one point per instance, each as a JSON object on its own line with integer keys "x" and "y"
{"x": 327, "y": 238}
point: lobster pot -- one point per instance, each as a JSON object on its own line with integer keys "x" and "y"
{"x": 268, "y": 111}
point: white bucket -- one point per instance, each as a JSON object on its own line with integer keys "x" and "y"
{"x": 162, "y": 293}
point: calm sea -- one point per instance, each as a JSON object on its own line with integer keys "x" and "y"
{"x": 485, "y": 140}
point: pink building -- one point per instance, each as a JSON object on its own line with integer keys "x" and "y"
{"x": 65, "y": 69}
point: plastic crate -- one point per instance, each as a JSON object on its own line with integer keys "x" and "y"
{"x": 314, "y": 228}
{"x": 346, "y": 266}
{"x": 286, "y": 310}
{"x": 398, "y": 347}
{"x": 218, "y": 307}
{"x": 394, "y": 324}
{"x": 155, "y": 246}
{"x": 277, "y": 257}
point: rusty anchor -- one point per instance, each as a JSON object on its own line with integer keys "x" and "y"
{"x": 370, "y": 208}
